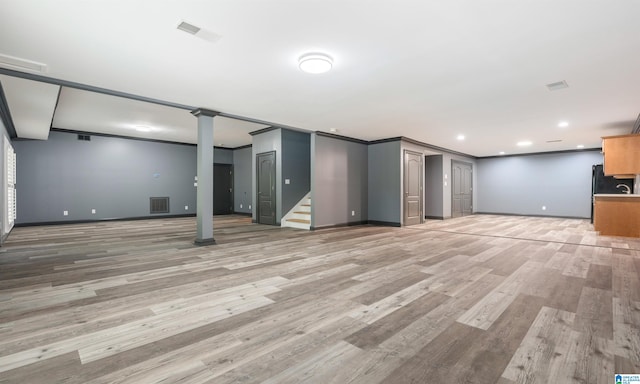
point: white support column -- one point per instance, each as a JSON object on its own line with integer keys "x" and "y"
{"x": 204, "y": 194}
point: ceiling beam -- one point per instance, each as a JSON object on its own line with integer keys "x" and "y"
{"x": 5, "y": 115}
{"x": 90, "y": 88}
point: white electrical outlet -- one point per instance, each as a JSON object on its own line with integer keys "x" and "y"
{"x": 353, "y": 213}
{"x": 65, "y": 213}
{"x": 287, "y": 181}
{"x": 195, "y": 184}
{"x": 249, "y": 206}
{"x": 186, "y": 207}
{"x": 93, "y": 211}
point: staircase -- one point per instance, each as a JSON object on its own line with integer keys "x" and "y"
{"x": 300, "y": 216}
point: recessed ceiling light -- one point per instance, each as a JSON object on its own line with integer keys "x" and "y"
{"x": 333, "y": 130}
{"x": 501, "y": 153}
{"x": 557, "y": 85}
{"x": 143, "y": 128}
{"x": 563, "y": 124}
{"x": 523, "y": 143}
{"x": 579, "y": 146}
{"x": 315, "y": 63}
{"x": 460, "y": 137}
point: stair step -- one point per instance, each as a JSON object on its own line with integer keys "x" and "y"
{"x": 301, "y": 221}
{"x": 300, "y": 216}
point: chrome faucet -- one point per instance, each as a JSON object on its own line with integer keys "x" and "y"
{"x": 626, "y": 188}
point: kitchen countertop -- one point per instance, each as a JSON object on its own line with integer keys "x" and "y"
{"x": 616, "y": 195}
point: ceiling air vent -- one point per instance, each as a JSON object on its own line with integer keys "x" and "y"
{"x": 557, "y": 85}
{"x": 159, "y": 204}
{"x": 189, "y": 28}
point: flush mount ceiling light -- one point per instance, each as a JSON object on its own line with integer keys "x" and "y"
{"x": 333, "y": 130}
{"x": 579, "y": 146}
{"x": 460, "y": 137}
{"x": 143, "y": 128}
{"x": 315, "y": 63}
{"x": 523, "y": 143}
{"x": 501, "y": 153}
{"x": 563, "y": 124}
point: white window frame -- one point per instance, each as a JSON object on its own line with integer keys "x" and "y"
{"x": 9, "y": 181}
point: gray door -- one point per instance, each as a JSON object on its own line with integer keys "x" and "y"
{"x": 222, "y": 189}
{"x": 412, "y": 188}
{"x": 461, "y": 189}
{"x": 266, "y": 190}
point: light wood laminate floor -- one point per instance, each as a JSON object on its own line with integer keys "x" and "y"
{"x": 479, "y": 299}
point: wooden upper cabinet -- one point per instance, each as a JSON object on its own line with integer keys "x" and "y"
{"x": 621, "y": 155}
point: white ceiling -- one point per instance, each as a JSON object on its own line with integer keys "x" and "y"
{"x": 426, "y": 69}
{"x": 80, "y": 110}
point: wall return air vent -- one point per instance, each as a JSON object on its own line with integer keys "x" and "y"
{"x": 159, "y": 205}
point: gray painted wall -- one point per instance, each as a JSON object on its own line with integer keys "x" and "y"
{"x": 242, "y": 180}
{"x": 384, "y": 182}
{"x": 339, "y": 181}
{"x": 296, "y": 167}
{"x": 523, "y": 184}
{"x": 117, "y": 176}
{"x": 114, "y": 176}
{"x": 222, "y": 155}
{"x": 434, "y": 186}
{"x": 266, "y": 142}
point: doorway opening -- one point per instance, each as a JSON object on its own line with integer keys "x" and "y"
{"x": 222, "y": 189}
